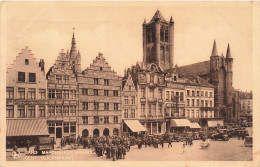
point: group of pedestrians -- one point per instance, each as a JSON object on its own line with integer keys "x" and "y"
{"x": 153, "y": 141}
{"x": 112, "y": 147}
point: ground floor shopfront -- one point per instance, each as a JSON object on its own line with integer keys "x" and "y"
{"x": 206, "y": 123}
{"x": 154, "y": 127}
{"x": 113, "y": 129}
{"x": 21, "y": 131}
{"x": 62, "y": 126}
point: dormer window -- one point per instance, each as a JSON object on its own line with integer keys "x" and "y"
{"x": 175, "y": 78}
{"x": 26, "y": 62}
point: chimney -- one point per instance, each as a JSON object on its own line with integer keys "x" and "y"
{"x": 41, "y": 64}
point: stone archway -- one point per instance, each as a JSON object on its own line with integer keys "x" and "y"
{"x": 96, "y": 132}
{"x": 85, "y": 133}
{"x": 106, "y": 132}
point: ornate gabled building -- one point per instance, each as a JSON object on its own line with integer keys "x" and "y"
{"x": 130, "y": 113}
{"x": 99, "y": 100}
{"x": 25, "y": 100}
{"x": 62, "y": 93}
{"x": 129, "y": 97}
{"x": 150, "y": 84}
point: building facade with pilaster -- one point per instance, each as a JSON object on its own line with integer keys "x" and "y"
{"x": 100, "y": 103}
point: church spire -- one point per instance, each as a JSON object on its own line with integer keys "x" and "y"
{"x": 73, "y": 50}
{"x": 228, "y": 55}
{"x": 214, "y": 50}
{"x": 171, "y": 20}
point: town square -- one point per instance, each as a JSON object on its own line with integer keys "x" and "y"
{"x": 129, "y": 83}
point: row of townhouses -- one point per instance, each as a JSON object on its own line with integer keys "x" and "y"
{"x": 153, "y": 96}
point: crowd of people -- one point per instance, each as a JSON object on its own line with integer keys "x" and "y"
{"x": 114, "y": 147}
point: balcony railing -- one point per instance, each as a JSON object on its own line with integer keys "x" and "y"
{"x": 160, "y": 100}
{"x": 152, "y": 99}
{"x": 149, "y": 116}
{"x": 143, "y": 100}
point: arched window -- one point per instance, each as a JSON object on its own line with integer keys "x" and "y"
{"x": 106, "y": 132}
{"x": 166, "y": 35}
{"x": 96, "y": 132}
{"x": 162, "y": 56}
{"x": 148, "y": 37}
{"x": 26, "y": 62}
{"x": 148, "y": 55}
{"x": 85, "y": 133}
{"x": 162, "y": 33}
{"x": 115, "y": 131}
{"x": 153, "y": 57}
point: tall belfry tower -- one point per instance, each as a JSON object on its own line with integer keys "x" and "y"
{"x": 158, "y": 42}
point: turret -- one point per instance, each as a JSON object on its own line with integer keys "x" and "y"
{"x": 157, "y": 20}
{"x": 144, "y": 43}
{"x": 228, "y": 55}
{"x": 171, "y": 42}
{"x": 214, "y": 58}
{"x": 229, "y": 62}
{"x": 214, "y": 49}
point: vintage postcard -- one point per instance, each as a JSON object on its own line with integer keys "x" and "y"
{"x": 129, "y": 83}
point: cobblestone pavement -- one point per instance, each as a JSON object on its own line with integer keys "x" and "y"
{"x": 233, "y": 149}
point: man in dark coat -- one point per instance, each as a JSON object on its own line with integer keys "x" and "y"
{"x": 162, "y": 142}
{"x": 119, "y": 152}
{"x": 169, "y": 142}
{"x": 113, "y": 152}
{"x": 108, "y": 150}
{"x": 124, "y": 152}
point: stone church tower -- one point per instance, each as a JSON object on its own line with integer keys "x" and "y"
{"x": 221, "y": 76}
{"x": 158, "y": 42}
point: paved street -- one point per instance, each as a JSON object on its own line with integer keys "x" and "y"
{"x": 218, "y": 151}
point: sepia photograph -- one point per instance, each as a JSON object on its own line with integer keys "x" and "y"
{"x": 126, "y": 82}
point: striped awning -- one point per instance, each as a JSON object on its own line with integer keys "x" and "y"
{"x": 135, "y": 125}
{"x": 180, "y": 123}
{"x": 26, "y": 127}
{"x": 194, "y": 125}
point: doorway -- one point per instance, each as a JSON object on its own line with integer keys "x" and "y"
{"x": 96, "y": 132}
{"x": 58, "y": 132}
{"x": 85, "y": 133}
{"x": 106, "y": 132}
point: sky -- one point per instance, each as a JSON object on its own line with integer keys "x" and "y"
{"x": 115, "y": 29}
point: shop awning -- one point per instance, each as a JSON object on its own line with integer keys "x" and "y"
{"x": 180, "y": 123}
{"x": 194, "y": 125}
{"x": 215, "y": 123}
{"x": 26, "y": 127}
{"x": 135, "y": 125}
